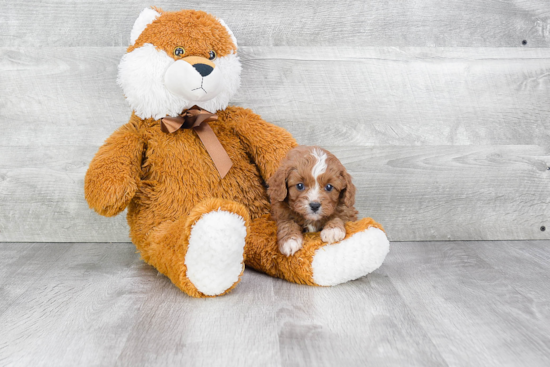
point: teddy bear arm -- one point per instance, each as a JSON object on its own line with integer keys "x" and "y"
{"x": 266, "y": 143}
{"x": 113, "y": 175}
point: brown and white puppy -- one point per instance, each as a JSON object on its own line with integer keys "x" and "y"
{"x": 311, "y": 191}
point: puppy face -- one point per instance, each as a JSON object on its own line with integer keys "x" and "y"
{"x": 313, "y": 182}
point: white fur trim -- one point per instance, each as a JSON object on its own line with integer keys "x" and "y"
{"x": 229, "y": 31}
{"x": 214, "y": 257}
{"x": 146, "y": 17}
{"x": 141, "y": 76}
{"x": 350, "y": 259}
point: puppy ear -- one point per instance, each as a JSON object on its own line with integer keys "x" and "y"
{"x": 277, "y": 189}
{"x": 349, "y": 191}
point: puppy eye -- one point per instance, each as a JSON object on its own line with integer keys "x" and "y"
{"x": 329, "y": 187}
{"x": 179, "y": 51}
{"x": 300, "y": 187}
{"x": 212, "y": 55}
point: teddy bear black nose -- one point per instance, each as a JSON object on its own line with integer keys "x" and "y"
{"x": 203, "y": 69}
{"x": 315, "y": 206}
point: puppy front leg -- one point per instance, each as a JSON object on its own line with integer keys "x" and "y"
{"x": 289, "y": 237}
{"x": 334, "y": 231}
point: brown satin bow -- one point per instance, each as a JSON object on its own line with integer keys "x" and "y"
{"x": 197, "y": 119}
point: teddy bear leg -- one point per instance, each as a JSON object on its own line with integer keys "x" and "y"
{"x": 317, "y": 263}
{"x": 201, "y": 253}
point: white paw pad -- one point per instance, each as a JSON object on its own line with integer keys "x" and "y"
{"x": 331, "y": 235}
{"x": 289, "y": 247}
{"x": 351, "y": 258}
{"x": 214, "y": 257}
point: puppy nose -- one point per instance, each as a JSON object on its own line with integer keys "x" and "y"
{"x": 315, "y": 206}
{"x": 203, "y": 69}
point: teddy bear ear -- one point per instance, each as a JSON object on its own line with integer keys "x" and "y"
{"x": 228, "y": 31}
{"x": 146, "y": 17}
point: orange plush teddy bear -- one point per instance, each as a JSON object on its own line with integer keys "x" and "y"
{"x": 194, "y": 181}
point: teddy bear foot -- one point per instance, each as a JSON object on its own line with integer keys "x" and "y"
{"x": 319, "y": 263}
{"x": 351, "y": 258}
{"x": 215, "y": 253}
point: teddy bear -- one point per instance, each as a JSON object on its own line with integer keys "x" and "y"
{"x": 192, "y": 170}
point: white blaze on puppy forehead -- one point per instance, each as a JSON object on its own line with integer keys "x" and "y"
{"x": 318, "y": 169}
{"x": 321, "y": 166}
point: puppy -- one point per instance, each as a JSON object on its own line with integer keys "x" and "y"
{"x": 310, "y": 192}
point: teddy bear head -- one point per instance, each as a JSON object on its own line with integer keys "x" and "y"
{"x": 177, "y": 60}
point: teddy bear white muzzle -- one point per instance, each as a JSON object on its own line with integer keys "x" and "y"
{"x": 196, "y": 81}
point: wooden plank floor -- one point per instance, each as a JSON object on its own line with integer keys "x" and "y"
{"x": 430, "y": 304}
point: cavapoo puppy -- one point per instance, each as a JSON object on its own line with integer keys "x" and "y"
{"x": 311, "y": 191}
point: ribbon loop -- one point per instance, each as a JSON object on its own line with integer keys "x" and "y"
{"x": 197, "y": 119}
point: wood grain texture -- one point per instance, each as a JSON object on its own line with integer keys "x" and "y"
{"x": 361, "y": 323}
{"x": 430, "y": 304}
{"x": 417, "y": 193}
{"x": 403, "y": 96}
{"x": 290, "y": 23}
{"x": 329, "y": 96}
{"x": 470, "y": 309}
{"x": 42, "y": 197}
{"x": 58, "y": 99}
{"x": 84, "y": 302}
{"x": 22, "y": 264}
{"x": 57, "y": 109}
{"x": 453, "y": 192}
{"x": 524, "y": 265}
{"x": 237, "y": 330}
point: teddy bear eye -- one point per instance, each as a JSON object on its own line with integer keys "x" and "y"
{"x": 300, "y": 187}
{"x": 329, "y": 187}
{"x": 179, "y": 51}
{"x": 212, "y": 55}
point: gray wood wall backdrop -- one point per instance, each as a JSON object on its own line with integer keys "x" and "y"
{"x": 439, "y": 109}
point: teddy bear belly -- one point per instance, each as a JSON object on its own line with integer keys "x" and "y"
{"x": 173, "y": 185}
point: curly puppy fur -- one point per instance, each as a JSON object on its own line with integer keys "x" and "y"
{"x": 311, "y": 191}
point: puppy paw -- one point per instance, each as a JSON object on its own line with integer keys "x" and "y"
{"x": 290, "y": 246}
{"x": 332, "y": 235}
